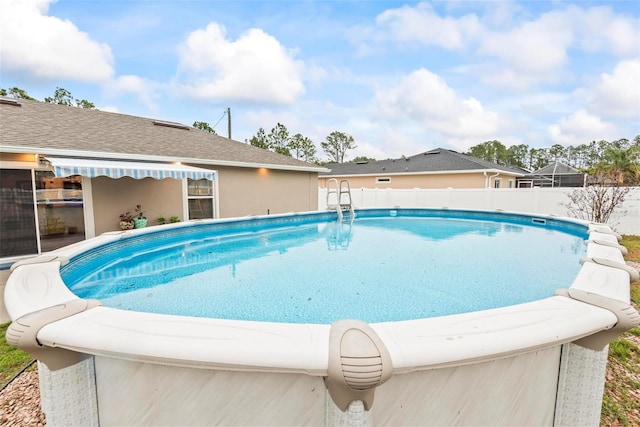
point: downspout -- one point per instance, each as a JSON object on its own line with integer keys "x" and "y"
{"x": 487, "y": 179}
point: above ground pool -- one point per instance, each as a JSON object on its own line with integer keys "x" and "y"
{"x": 381, "y": 266}
{"x": 378, "y": 317}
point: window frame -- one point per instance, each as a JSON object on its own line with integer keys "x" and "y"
{"x": 212, "y": 196}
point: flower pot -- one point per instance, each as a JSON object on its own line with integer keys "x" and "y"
{"x": 140, "y": 222}
{"x": 126, "y": 225}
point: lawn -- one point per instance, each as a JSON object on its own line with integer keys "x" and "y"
{"x": 12, "y": 360}
{"x": 621, "y": 403}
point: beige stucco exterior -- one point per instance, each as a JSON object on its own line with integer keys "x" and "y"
{"x": 111, "y": 197}
{"x": 242, "y": 191}
{"x": 477, "y": 179}
{"x": 250, "y": 191}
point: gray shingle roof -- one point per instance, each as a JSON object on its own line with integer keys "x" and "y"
{"x": 556, "y": 169}
{"x": 47, "y": 128}
{"x": 438, "y": 160}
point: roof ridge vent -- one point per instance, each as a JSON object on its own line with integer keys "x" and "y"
{"x": 170, "y": 124}
{"x": 7, "y": 101}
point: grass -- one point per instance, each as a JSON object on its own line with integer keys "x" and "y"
{"x": 621, "y": 401}
{"x": 12, "y": 360}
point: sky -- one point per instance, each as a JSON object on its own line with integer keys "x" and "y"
{"x": 400, "y": 77}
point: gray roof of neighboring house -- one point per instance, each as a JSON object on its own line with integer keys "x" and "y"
{"x": 560, "y": 169}
{"x": 438, "y": 160}
{"x": 57, "y": 129}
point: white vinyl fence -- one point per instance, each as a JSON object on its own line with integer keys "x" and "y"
{"x": 626, "y": 219}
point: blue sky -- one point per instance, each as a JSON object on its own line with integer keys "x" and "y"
{"x": 400, "y": 77}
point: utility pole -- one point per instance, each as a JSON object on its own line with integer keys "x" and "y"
{"x": 229, "y": 121}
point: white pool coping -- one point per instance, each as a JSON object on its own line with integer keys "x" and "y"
{"x": 282, "y": 347}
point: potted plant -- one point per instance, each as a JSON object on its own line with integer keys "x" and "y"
{"x": 126, "y": 221}
{"x": 141, "y": 220}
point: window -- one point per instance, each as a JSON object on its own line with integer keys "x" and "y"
{"x": 200, "y": 198}
{"x": 55, "y": 214}
{"x": 511, "y": 183}
{"x": 384, "y": 180}
{"x": 17, "y": 213}
{"x": 60, "y": 210}
{"x": 497, "y": 183}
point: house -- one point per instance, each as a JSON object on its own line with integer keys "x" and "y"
{"x": 555, "y": 174}
{"x": 67, "y": 174}
{"x": 439, "y": 168}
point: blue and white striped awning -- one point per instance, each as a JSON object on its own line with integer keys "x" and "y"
{"x": 64, "y": 166}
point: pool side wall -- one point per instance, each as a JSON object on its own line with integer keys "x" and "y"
{"x": 496, "y": 393}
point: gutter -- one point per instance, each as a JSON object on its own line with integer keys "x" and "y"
{"x": 381, "y": 173}
{"x": 151, "y": 158}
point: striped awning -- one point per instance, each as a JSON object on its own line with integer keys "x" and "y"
{"x": 65, "y": 166}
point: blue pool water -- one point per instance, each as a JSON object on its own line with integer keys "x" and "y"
{"x": 380, "y": 267}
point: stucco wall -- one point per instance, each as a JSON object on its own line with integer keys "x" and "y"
{"x": 451, "y": 180}
{"x": 246, "y": 191}
{"x": 111, "y": 197}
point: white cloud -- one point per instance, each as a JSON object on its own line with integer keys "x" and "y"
{"x": 425, "y": 98}
{"x": 601, "y": 30}
{"x": 538, "y": 50}
{"x": 38, "y": 46}
{"x": 516, "y": 53}
{"x": 142, "y": 88}
{"x": 618, "y": 94}
{"x": 580, "y": 128}
{"x": 533, "y": 49}
{"x": 255, "y": 67}
{"x": 422, "y": 24}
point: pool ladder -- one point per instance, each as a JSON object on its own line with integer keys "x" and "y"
{"x": 337, "y": 191}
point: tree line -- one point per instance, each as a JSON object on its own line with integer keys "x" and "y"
{"x": 619, "y": 159}
{"x": 279, "y": 140}
{"x": 61, "y": 96}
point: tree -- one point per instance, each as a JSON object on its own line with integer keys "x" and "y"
{"x": 621, "y": 165}
{"x": 596, "y": 203}
{"x": 336, "y": 146}
{"x": 204, "y": 126}
{"x": 259, "y": 140}
{"x": 63, "y": 97}
{"x": 17, "y": 93}
{"x": 557, "y": 152}
{"x": 278, "y": 140}
{"x": 578, "y": 156}
{"x": 302, "y": 148}
{"x": 517, "y": 155}
{"x": 538, "y": 158}
{"x": 491, "y": 151}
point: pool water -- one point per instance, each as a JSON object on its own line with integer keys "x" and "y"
{"x": 374, "y": 269}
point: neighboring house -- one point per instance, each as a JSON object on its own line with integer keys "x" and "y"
{"x": 555, "y": 174}
{"x": 67, "y": 174}
{"x": 439, "y": 168}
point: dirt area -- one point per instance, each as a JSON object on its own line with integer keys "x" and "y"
{"x": 20, "y": 402}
